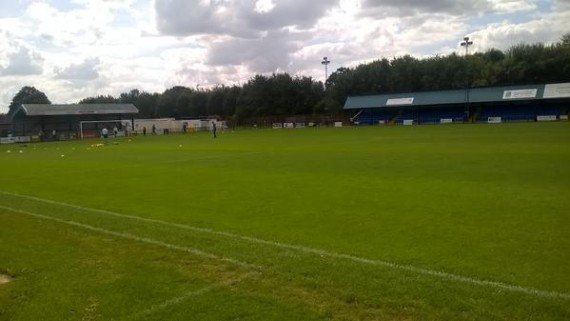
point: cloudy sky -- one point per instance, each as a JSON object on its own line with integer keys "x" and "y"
{"x": 72, "y": 49}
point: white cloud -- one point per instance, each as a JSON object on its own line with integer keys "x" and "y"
{"x": 546, "y": 29}
{"x": 23, "y": 62}
{"x": 244, "y": 18}
{"x": 464, "y": 8}
{"x": 264, "y": 6}
{"x": 512, "y": 5}
{"x": 68, "y": 29}
{"x": 10, "y": 8}
{"x": 72, "y": 49}
{"x": 412, "y": 7}
{"x": 266, "y": 54}
{"x": 85, "y": 70}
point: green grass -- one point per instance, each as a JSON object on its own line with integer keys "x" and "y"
{"x": 291, "y": 225}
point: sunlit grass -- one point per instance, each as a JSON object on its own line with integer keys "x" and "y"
{"x": 487, "y": 203}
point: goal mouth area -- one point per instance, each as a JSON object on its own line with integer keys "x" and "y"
{"x": 93, "y": 128}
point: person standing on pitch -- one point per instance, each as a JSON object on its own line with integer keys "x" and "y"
{"x": 104, "y": 132}
{"x": 214, "y": 129}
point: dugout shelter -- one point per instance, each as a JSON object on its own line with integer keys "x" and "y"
{"x": 542, "y": 102}
{"x": 70, "y": 121}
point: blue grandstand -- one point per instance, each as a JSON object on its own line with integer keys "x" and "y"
{"x": 492, "y": 104}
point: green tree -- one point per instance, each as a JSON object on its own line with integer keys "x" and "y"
{"x": 281, "y": 94}
{"x": 215, "y": 103}
{"x": 565, "y": 40}
{"x": 27, "y": 95}
{"x": 99, "y": 100}
{"x": 307, "y": 94}
{"x": 198, "y": 104}
{"x": 130, "y": 97}
{"x": 171, "y": 105}
{"x": 253, "y": 98}
{"x": 339, "y": 85}
{"x": 146, "y": 104}
{"x": 230, "y": 101}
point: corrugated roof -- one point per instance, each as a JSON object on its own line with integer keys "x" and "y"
{"x": 77, "y": 109}
{"x": 491, "y": 94}
{"x": 406, "y": 99}
{"x": 460, "y": 96}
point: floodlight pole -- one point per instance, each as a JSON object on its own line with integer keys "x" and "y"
{"x": 466, "y": 43}
{"x": 326, "y": 62}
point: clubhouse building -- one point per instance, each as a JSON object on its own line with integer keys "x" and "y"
{"x": 61, "y": 122}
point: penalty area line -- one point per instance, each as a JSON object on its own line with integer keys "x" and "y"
{"x": 175, "y": 301}
{"x": 319, "y": 252}
{"x": 146, "y": 240}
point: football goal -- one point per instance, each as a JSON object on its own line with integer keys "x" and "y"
{"x": 93, "y": 128}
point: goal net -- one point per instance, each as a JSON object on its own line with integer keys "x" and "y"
{"x": 94, "y": 128}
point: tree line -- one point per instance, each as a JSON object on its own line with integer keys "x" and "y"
{"x": 281, "y": 94}
{"x": 278, "y": 94}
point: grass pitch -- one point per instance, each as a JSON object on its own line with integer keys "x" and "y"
{"x": 386, "y": 223}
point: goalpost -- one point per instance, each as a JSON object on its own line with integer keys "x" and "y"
{"x": 92, "y": 128}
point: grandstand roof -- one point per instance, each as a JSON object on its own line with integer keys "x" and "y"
{"x": 460, "y": 96}
{"x": 76, "y": 109}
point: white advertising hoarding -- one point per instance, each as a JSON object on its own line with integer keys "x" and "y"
{"x": 546, "y": 118}
{"x": 520, "y": 93}
{"x": 399, "y": 101}
{"x": 557, "y": 90}
{"x": 15, "y": 139}
{"x": 7, "y": 140}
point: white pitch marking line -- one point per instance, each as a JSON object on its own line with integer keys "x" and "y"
{"x": 174, "y": 301}
{"x": 396, "y": 266}
{"x": 135, "y": 238}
